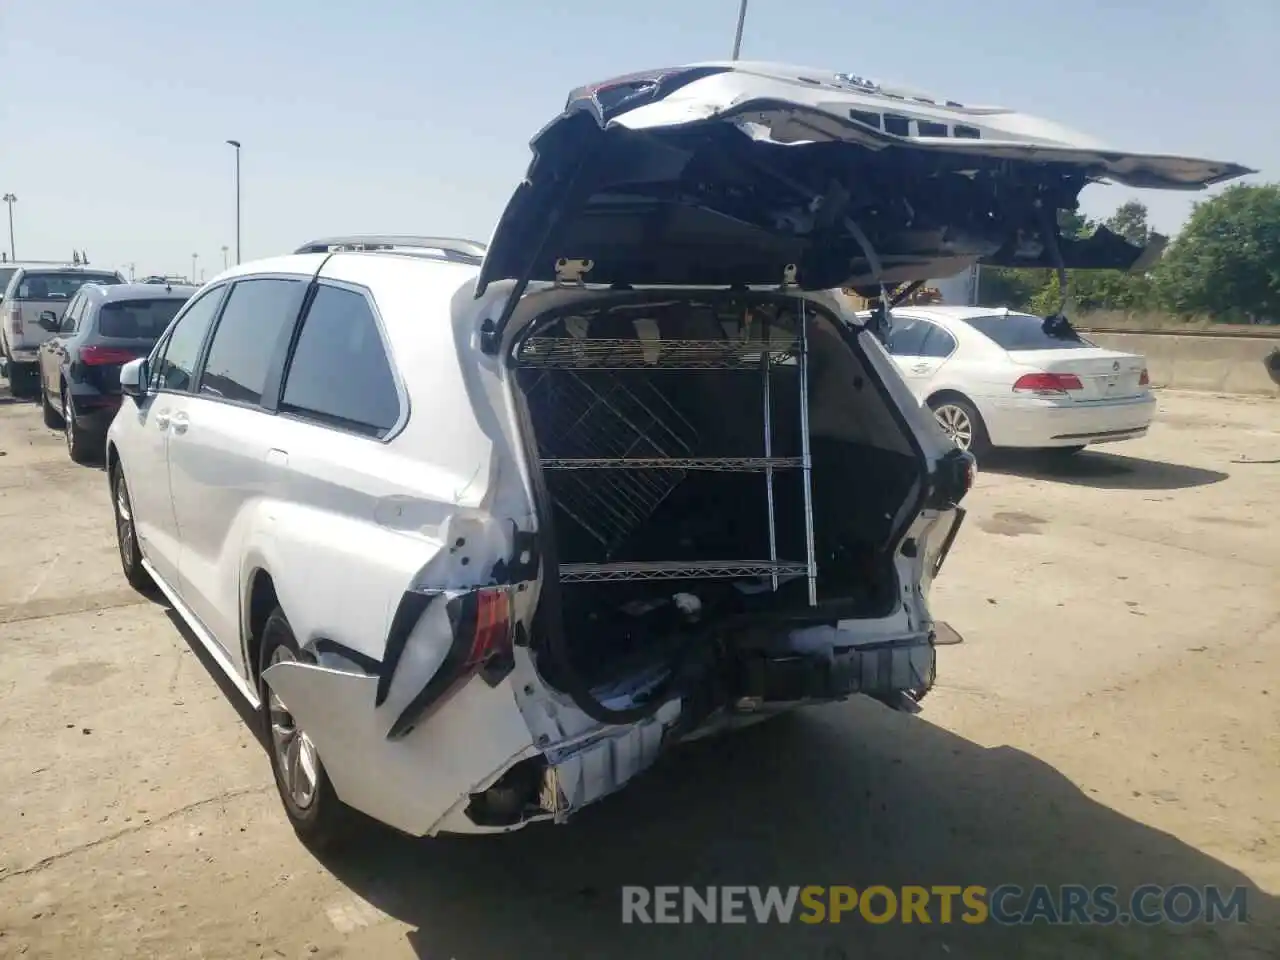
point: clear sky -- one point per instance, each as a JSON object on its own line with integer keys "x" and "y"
{"x": 414, "y": 116}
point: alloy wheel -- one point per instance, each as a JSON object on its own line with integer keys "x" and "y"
{"x": 68, "y": 421}
{"x": 956, "y": 424}
{"x": 296, "y": 756}
{"x": 124, "y": 522}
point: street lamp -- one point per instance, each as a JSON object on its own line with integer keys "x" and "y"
{"x": 224, "y": 256}
{"x": 742, "y": 18}
{"x": 236, "y": 144}
{"x": 10, "y": 199}
{"x": 194, "y": 257}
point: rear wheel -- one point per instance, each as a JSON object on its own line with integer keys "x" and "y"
{"x": 81, "y": 447}
{"x": 23, "y": 380}
{"x": 316, "y": 814}
{"x": 962, "y": 423}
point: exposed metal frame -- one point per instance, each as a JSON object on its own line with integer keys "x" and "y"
{"x": 613, "y": 355}
{"x": 449, "y": 248}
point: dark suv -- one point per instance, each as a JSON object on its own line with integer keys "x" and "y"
{"x": 103, "y": 328}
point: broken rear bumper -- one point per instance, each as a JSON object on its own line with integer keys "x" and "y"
{"x": 880, "y": 669}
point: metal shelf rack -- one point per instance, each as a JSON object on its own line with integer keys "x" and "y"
{"x": 613, "y": 448}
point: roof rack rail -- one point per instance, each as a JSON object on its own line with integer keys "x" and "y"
{"x": 448, "y": 248}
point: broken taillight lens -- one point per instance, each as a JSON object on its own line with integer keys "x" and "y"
{"x": 492, "y": 638}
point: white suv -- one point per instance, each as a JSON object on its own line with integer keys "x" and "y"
{"x": 481, "y": 530}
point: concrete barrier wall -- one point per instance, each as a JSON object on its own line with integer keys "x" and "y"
{"x": 1216, "y": 364}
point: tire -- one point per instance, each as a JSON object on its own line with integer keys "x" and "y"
{"x": 961, "y": 422}
{"x": 317, "y": 816}
{"x": 81, "y": 447}
{"x": 23, "y": 381}
{"x": 127, "y": 535}
{"x": 52, "y": 419}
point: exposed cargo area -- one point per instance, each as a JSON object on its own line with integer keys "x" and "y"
{"x": 709, "y": 460}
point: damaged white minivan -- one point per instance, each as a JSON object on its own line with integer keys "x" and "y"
{"x": 481, "y": 530}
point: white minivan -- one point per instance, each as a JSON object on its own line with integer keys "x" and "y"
{"x": 483, "y": 529}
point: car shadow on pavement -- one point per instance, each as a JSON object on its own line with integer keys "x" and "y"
{"x": 1093, "y": 468}
{"x": 850, "y": 794}
{"x": 234, "y": 696}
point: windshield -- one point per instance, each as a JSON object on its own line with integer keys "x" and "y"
{"x": 1021, "y": 331}
{"x": 137, "y": 319}
{"x": 59, "y": 286}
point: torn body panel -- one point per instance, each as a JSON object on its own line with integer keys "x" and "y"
{"x": 410, "y": 782}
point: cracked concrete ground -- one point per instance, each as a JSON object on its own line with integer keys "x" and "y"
{"x": 1114, "y": 717}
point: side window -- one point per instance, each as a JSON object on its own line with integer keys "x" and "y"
{"x": 176, "y": 360}
{"x": 937, "y": 342}
{"x": 906, "y": 337}
{"x": 71, "y": 314}
{"x": 244, "y": 343}
{"x": 340, "y": 374}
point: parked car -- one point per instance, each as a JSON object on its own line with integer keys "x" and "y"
{"x": 36, "y": 297}
{"x": 103, "y": 328}
{"x": 998, "y": 378}
{"x": 481, "y": 530}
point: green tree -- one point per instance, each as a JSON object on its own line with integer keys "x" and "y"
{"x": 1116, "y": 289}
{"x": 1007, "y": 287}
{"x": 1226, "y": 260}
{"x": 1130, "y": 221}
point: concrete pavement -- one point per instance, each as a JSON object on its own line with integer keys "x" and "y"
{"x": 1111, "y": 718}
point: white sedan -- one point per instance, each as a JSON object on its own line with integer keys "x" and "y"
{"x": 996, "y": 378}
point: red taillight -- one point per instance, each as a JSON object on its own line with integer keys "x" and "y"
{"x": 1048, "y": 383}
{"x": 493, "y": 627}
{"x": 100, "y": 356}
{"x": 15, "y": 320}
{"x": 1144, "y": 380}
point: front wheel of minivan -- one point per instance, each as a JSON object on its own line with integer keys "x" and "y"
{"x": 316, "y": 814}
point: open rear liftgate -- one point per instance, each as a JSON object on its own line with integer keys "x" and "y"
{"x": 631, "y": 447}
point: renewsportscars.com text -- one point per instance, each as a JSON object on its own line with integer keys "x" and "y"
{"x": 1007, "y": 904}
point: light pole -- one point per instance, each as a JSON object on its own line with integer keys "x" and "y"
{"x": 224, "y": 256}
{"x": 742, "y": 18}
{"x": 194, "y": 257}
{"x": 10, "y": 199}
{"x": 236, "y": 144}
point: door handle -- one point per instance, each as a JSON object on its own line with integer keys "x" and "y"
{"x": 180, "y": 423}
{"x": 162, "y": 419}
{"x": 920, "y": 368}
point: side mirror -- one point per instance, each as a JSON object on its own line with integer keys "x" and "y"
{"x": 133, "y": 378}
{"x": 49, "y": 320}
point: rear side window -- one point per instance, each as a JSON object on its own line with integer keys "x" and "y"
{"x": 1020, "y": 331}
{"x": 176, "y": 359}
{"x": 49, "y": 285}
{"x": 906, "y": 336}
{"x": 245, "y": 341}
{"x": 340, "y": 374}
{"x": 137, "y": 319}
{"x": 937, "y": 342}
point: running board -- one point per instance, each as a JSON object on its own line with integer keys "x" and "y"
{"x": 212, "y": 646}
